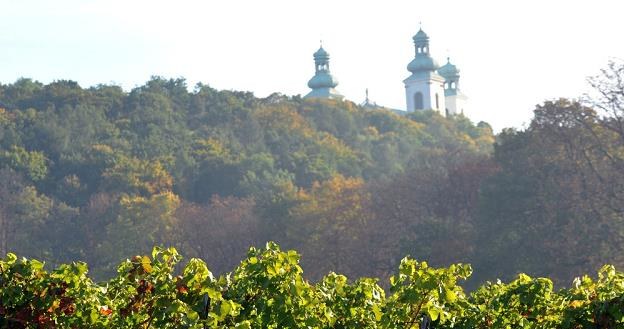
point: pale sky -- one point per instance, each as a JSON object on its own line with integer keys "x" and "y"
{"x": 512, "y": 54}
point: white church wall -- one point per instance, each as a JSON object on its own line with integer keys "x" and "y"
{"x": 429, "y": 86}
{"x": 456, "y": 104}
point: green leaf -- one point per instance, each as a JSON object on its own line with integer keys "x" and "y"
{"x": 146, "y": 264}
{"x": 433, "y": 313}
{"x": 449, "y": 295}
{"x": 243, "y": 325}
{"x": 377, "y": 312}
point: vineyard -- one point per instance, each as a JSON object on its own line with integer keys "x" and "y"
{"x": 268, "y": 290}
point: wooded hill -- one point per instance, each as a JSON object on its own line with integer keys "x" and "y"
{"x": 96, "y": 174}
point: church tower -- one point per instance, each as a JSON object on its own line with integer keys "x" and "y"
{"x": 323, "y": 83}
{"x": 455, "y": 99}
{"x": 424, "y": 89}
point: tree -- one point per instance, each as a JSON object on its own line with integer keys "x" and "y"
{"x": 430, "y": 213}
{"x": 32, "y": 164}
{"x": 554, "y": 208}
{"x": 328, "y": 224}
{"x": 220, "y": 231}
{"x": 22, "y": 212}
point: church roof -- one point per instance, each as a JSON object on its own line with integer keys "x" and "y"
{"x": 422, "y": 63}
{"x": 329, "y": 93}
{"x": 420, "y": 36}
{"x": 321, "y": 54}
{"x": 448, "y": 70}
{"x": 323, "y": 80}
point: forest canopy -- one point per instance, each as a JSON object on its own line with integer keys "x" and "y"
{"x": 96, "y": 174}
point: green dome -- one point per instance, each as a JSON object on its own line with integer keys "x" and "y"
{"x": 322, "y": 80}
{"x": 420, "y": 36}
{"x": 321, "y": 54}
{"x": 322, "y": 83}
{"x": 422, "y": 64}
{"x": 448, "y": 70}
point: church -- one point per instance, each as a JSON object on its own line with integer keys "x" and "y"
{"x": 429, "y": 87}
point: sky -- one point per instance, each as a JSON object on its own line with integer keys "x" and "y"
{"x": 512, "y": 54}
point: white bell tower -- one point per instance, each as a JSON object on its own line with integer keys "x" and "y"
{"x": 424, "y": 89}
{"x": 456, "y": 101}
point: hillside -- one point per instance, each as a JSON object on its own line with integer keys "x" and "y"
{"x": 96, "y": 174}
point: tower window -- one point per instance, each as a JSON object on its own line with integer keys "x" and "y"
{"x": 418, "y": 101}
{"x": 453, "y": 85}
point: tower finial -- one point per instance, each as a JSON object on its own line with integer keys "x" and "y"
{"x": 366, "y": 101}
{"x": 420, "y": 25}
{"x": 321, "y": 43}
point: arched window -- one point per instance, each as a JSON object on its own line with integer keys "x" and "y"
{"x": 418, "y": 101}
{"x": 437, "y": 102}
{"x": 453, "y": 85}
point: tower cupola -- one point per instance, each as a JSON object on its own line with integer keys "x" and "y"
{"x": 456, "y": 101}
{"x": 421, "y": 39}
{"x": 323, "y": 82}
{"x": 450, "y": 73}
{"x": 321, "y": 56}
{"x": 422, "y": 61}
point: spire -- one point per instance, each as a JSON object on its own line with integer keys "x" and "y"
{"x": 368, "y": 104}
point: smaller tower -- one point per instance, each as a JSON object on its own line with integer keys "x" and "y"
{"x": 323, "y": 83}
{"x": 455, "y": 99}
{"x": 368, "y": 104}
{"x": 424, "y": 89}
